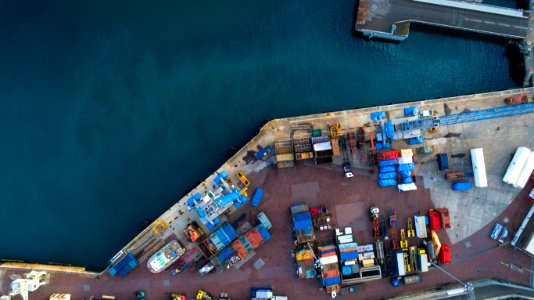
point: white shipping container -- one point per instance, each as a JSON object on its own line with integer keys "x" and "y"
{"x": 479, "y": 167}
{"x": 525, "y": 172}
{"x": 516, "y": 165}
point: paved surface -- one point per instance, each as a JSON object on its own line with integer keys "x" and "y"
{"x": 348, "y": 201}
{"x": 387, "y": 16}
{"x": 499, "y": 138}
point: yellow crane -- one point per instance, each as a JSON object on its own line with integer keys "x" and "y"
{"x": 407, "y": 263}
{"x": 335, "y": 130}
{"x": 403, "y": 241}
{"x": 159, "y": 227}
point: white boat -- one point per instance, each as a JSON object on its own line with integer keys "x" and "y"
{"x": 165, "y": 256}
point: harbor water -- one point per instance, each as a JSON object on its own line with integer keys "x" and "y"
{"x": 111, "y": 111}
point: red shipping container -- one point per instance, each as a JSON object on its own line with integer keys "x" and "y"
{"x": 445, "y": 254}
{"x": 434, "y": 220}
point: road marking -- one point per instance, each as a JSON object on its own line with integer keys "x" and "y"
{"x": 505, "y": 25}
{"x": 489, "y": 22}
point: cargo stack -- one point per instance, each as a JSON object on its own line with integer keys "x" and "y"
{"x": 405, "y": 168}
{"x": 330, "y": 277}
{"x": 387, "y": 175}
{"x": 123, "y": 266}
{"x": 243, "y": 245}
{"x": 218, "y": 240}
{"x": 348, "y": 254}
{"x": 305, "y": 236}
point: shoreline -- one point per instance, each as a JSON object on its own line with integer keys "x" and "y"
{"x": 265, "y": 136}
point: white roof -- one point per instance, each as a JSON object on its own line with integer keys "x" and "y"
{"x": 322, "y": 146}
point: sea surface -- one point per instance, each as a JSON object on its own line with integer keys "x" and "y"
{"x": 112, "y": 110}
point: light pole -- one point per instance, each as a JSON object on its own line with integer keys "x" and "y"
{"x": 467, "y": 286}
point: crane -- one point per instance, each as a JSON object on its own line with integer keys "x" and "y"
{"x": 29, "y": 283}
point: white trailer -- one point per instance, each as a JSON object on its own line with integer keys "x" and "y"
{"x": 479, "y": 167}
{"x": 516, "y": 165}
{"x": 525, "y": 172}
{"x": 399, "y": 259}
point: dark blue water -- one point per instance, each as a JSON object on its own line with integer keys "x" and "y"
{"x": 111, "y": 111}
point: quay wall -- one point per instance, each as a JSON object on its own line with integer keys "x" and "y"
{"x": 146, "y": 242}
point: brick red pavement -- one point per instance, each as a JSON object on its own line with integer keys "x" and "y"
{"x": 348, "y": 200}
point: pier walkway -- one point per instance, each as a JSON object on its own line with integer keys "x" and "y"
{"x": 391, "y": 19}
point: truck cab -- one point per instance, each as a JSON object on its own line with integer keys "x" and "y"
{"x": 347, "y": 170}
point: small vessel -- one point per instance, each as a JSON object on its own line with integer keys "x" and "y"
{"x": 165, "y": 256}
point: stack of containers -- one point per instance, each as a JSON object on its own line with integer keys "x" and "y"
{"x": 387, "y": 175}
{"x": 330, "y": 277}
{"x": 348, "y": 255}
{"x": 124, "y": 266}
{"x": 244, "y": 244}
{"x": 366, "y": 255}
{"x": 405, "y": 167}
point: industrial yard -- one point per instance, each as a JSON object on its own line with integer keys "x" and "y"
{"x": 352, "y": 182}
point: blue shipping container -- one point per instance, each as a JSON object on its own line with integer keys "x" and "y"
{"x": 387, "y": 182}
{"x": 257, "y": 197}
{"x": 411, "y": 111}
{"x": 387, "y": 169}
{"x": 391, "y": 175}
{"x": 462, "y": 186}
{"x": 416, "y": 140}
{"x": 443, "y": 161}
{"x": 387, "y": 162}
{"x": 407, "y": 180}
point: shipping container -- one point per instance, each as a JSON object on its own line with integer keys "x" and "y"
{"x": 443, "y": 162}
{"x": 387, "y": 169}
{"x": 479, "y": 167}
{"x": 434, "y": 220}
{"x": 257, "y": 197}
{"x": 399, "y": 262}
{"x": 516, "y": 165}
{"x": 422, "y": 261}
{"x": 387, "y": 182}
{"x": 391, "y": 175}
{"x": 445, "y": 254}
{"x": 411, "y": 111}
{"x": 462, "y": 186}
{"x": 526, "y": 172}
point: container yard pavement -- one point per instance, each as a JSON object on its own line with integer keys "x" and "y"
{"x": 348, "y": 200}
{"x": 472, "y": 213}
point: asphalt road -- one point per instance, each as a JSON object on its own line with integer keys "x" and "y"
{"x": 385, "y": 13}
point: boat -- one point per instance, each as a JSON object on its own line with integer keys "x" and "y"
{"x": 165, "y": 256}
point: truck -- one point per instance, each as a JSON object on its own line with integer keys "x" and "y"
{"x": 264, "y": 294}
{"x": 352, "y": 142}
{"x": 443, "y": 161}
{"x": 256, "y": 199}
{"x": 302, "y": 223}
{"x": 517, "y": 99}
{"x": 347, "y": 170}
